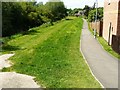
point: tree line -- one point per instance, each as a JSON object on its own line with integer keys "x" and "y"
{"x": 20, "y": 16}
{"x": 74, "y": 11}
{"x": 88, "y": 12}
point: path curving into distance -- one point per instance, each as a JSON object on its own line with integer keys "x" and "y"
{"x": 103, "y": 65}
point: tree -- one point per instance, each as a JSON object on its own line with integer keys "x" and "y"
{"x": 11, "y": 17}
{"x": 33, "y": 17}
{"x": 55, "y": 10}
{"x": 20, "y": 16}
{"x": 92, "y": 14}
{"x": 69, "y": 12}
{"x": 86, "y": 10}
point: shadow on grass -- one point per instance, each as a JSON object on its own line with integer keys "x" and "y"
{"x": 68, "y": 19}
{"x": 9, "y": 48}
{"x": 31, "y": 32}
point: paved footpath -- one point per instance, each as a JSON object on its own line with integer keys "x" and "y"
{"x": 103, "y": 65}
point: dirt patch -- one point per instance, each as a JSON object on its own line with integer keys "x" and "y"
{"x": 13, "y": 79}
{"x": 4, "y": 62}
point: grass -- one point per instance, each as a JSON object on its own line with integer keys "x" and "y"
{"x": 105, "y": 45}
{"x": 52, "y": 55}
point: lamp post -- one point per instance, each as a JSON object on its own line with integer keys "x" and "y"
{"x": 95, "y": 30}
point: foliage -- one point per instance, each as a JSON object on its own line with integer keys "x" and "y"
{"x": 11, "y": 13}
{"x": 86, "y": 10}
{"x": 74, "y": 11}
{"x": 20, "y": 16}
{"x": 56, "y": 10}
{"x": 92, "y": 14}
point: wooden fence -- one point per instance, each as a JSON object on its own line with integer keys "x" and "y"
{"x": 116, "y": 43}
{"x": 99, "y": 26}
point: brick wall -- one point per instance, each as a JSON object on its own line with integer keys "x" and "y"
{"x": 110, "y": 16}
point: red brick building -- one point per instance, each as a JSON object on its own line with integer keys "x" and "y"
{"x": 111, "y": 22}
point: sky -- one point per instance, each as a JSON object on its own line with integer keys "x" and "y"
{"x": 78, "y": 3}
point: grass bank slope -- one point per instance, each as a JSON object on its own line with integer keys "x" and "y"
{"x": 52, "y": 55}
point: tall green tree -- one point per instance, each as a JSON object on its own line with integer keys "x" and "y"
{"x": 56, "y": 10}
{"x": 11, "y": 18}
{"x": 86, "y": 10}
{"x": 92, "y": 15}
{"x": 18, "y": 17}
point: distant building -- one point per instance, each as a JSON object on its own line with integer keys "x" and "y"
{"x": 80, "y": 13}
{"x": 111, "y": 26}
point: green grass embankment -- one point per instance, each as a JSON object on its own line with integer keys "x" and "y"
{"x": 52, "y": 55}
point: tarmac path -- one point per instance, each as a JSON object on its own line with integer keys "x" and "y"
{"x": 103, "y": 65}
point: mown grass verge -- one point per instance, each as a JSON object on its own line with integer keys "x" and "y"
{"x": 105, "y": 45}
{"x": 52, "y": 55}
